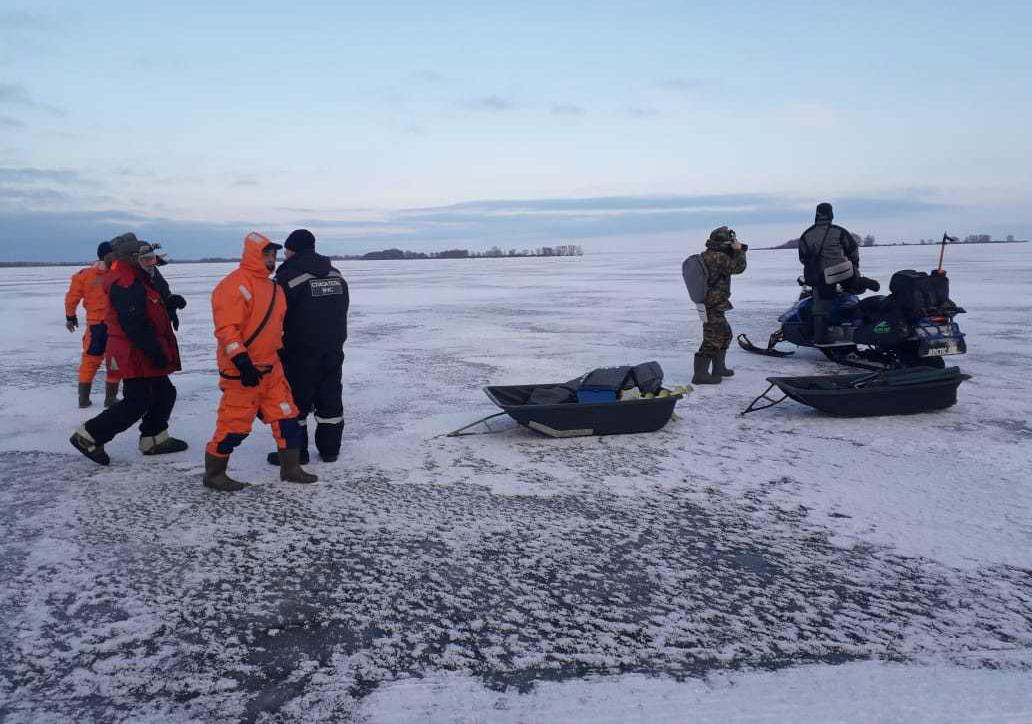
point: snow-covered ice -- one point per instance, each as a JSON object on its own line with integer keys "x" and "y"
{"x": 782, "y": 566}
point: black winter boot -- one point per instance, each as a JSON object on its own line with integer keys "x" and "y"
{"x": 820, "y": 329}
{"x": 84, "y": 394}
{"x": 719, "y": 368}
{"x": 702, "y": 375}
{"x": 215, "y": 474}
{"x": 304, "y": 459}
{"x": 161, "y": 444}
{"x": 84, "y": 443}
{"x": 290, "y": 468}
{"x": 110, "y": 393}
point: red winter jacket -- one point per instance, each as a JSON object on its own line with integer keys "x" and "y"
{"x": 141, "y": 342}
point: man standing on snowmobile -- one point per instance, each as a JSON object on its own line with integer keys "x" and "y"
{"x": 314, "y": 332}
{"x": 141, "y": 347}
{"x": 830, "y": 256}
{"x": 248, "y": 309}
{"x": 724, "y": 256}
{"x": 87, "y": 286}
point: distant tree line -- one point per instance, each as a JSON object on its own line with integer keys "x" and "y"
{"x": 860, "y": 241}
{"x": 975, "y": 239}
{"x": 494, "y": 252}
{"x": 869, "y": 240}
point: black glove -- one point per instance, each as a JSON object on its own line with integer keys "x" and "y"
{"x": 249, "y": 374}
{"x": 71, "y": 323}
{"x": 157, "y": 357}
{"x": 174, "y": 318}
{"x": 175, "y": 301}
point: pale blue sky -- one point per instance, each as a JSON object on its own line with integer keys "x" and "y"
{"x": 417, "y": 125}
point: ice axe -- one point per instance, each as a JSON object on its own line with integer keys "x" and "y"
{"x": 942, "y": 249}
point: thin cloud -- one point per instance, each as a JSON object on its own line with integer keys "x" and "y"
{"x": 36, "y": 175}
{"x": 31, "y": 196}
{"x": 492, "y": 103}
{"x": 16, "y": 95}
{"x": 11, "y": 122}
{"x": 642, "y": 111}
{"x": 683, "y": 86}
{"x": 54, "y": 235}
{"x": 566, "y": 109}
{"x": 23, "y": 20}
{"x": 431, "y": 77}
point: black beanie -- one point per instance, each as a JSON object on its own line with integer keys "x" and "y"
{"x": 104, "y": 249}
{"x": 824, "y": 211}
{"x": 299, "y": 240}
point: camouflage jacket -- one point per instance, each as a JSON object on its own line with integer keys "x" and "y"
{"x": 720, "y": 265}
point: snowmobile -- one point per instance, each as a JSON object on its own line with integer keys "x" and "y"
{"x": 911, "y": 327}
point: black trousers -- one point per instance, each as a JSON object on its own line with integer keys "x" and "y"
{"x": 315, "y": 381}
{"x": 149, "y": 398}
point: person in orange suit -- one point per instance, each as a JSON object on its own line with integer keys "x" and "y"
{"x": 87, "y": 286}
{"x": 248, "y": 309}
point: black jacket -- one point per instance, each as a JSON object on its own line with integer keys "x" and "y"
{"x": 317, "y": 303}
{"x": 825, "y": 244}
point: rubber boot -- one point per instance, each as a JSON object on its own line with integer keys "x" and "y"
{"x": 110, "y": 393}
{"x": 820, "y": 329}
{"x": 719, "y": 368}
{"x": 304, "y": 458}
{"x": 84, "y": 443}
{"x": 84, "y": 394}
{"x": 702, "y": 375}
{"x": 215, "y": 474}
{"x": 161, "y": 444}
{"x": 290, "y": 468}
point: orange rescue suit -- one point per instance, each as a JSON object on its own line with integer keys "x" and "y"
{"x": 87, "y": 286}
{"x": 240, "y": 303}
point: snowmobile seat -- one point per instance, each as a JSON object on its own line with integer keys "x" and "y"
{"x": 873, "y": 306}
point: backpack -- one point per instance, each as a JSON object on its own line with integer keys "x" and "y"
{"x": 696, "y": 277}
{"x": 917, "y": 293}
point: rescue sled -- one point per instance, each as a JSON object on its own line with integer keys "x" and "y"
{"x": 605, "y": 401}
{"x": 889, "y": 392}
{"x": 574, "y": 419}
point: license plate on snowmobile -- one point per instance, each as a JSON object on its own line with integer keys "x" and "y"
{"x": 942, "y": 347}
{"x": 940, "y": 340}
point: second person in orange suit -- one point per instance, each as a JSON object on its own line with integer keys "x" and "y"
{"x": 248, "y": 310}
{"x": 87, "y": 286}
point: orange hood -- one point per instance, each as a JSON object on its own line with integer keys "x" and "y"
{"x": 251, "y": 259}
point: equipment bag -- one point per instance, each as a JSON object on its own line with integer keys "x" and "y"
{"x": 913, "y": 293}
{"x": 838, "y": 272}
{"x": 696, "y": 278}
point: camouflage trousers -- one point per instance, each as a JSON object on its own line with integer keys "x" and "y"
{"x": 716, "y": 333}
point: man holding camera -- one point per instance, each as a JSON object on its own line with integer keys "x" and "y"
{"x": 724, "y": 256}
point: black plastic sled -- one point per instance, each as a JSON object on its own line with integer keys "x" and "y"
{"x": 573, "y": 419}
{"x": 890, "y": 392}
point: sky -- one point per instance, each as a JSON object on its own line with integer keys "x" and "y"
{"x": 426, "y": 126}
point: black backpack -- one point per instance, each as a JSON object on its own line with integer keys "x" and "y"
{"x": 917, "y": 294}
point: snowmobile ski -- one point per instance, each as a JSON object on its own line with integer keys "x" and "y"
{"x": 770, "y": 351}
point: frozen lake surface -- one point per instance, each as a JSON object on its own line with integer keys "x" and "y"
{"x": 781, "y": 566}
